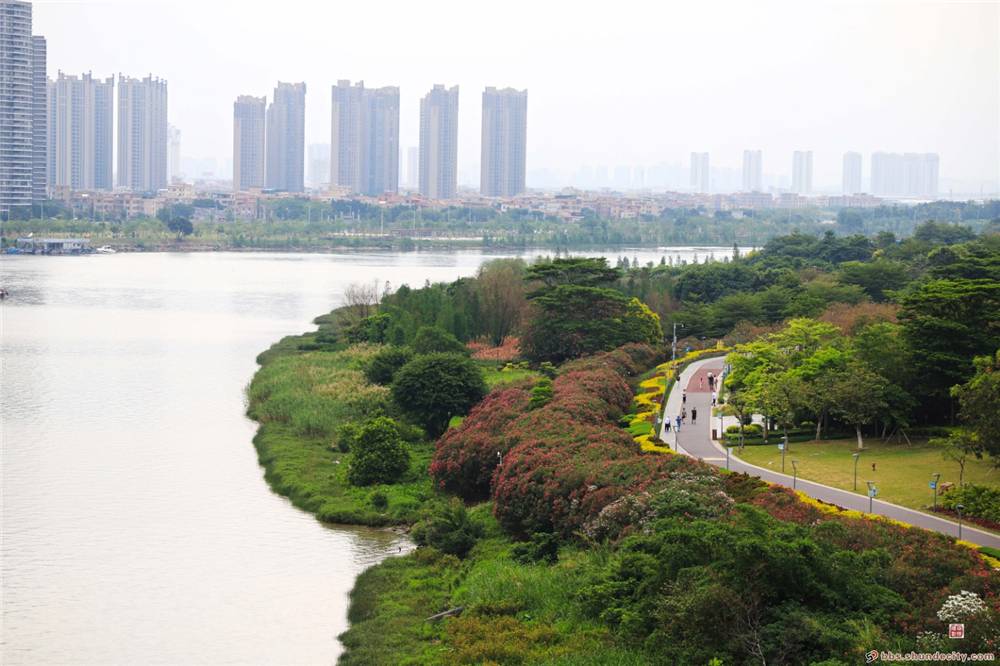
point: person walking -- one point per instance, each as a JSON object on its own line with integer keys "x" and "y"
{"x": 684, "y": 397}
{"x": 701, "y": 383}
{"x": 713, "y": 398}
{"x": 694, "y": 415}
{"x": 711, "y": 381}
{"x": 678, "y": 424}
{"x": 684, "y": 414}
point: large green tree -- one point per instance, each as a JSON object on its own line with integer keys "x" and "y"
{"x": 378, "y": 454}
{"x": 979, "y": 405}
{"x": 432, "y": 388}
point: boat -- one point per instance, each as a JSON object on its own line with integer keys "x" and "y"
{"x": 106, "y": 249}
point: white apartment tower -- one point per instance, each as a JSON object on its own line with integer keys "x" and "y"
{"x": 802, "y": 171}
{"x": 753, "y": 174}
{"x": 39, "y": 120}
{"x": 142, "y": 133}
{"x": 905, "y": 175}
{"x": 852, "y": 173}
{"x": 82, "y": 141}
{"x": 364, "y": 138}
{"x": 700, "y": 174}
{"x": 16, "y": 107}
{"x": 504, "y": 142}
{"x": 248, "y": 142}
{"x": 286, "y": 138}
{"x": 173, "y": 153}
{"x": 439, "y": 143}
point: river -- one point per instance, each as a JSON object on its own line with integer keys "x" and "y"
{"x": 137, "y": 527}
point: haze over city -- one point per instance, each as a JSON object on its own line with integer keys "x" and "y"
{"x": 642, "y": 86}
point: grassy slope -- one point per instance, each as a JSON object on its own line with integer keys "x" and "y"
{"x": 902, "y": 471}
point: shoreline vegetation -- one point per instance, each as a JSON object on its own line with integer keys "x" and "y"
{"x": 551, "y": 526}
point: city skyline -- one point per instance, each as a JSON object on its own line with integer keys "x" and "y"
{"x": 573, "y": 127}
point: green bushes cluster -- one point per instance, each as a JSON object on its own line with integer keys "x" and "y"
{"x": 379, "y": 455}
{"x": 978, "y": 501}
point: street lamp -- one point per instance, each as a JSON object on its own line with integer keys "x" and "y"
{"x": 673, "y": 348}
{"x": 727, "y": 456}
{"x": 959, "y": 507}
{"x": 872, "y": 492}
{"x": 783, "y": 446}
{"x": 795, "y": 472}
{"x": 934, "y": 486}
{"x": 855, "y": 456}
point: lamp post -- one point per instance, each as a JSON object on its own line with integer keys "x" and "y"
{"x": 727, "y": 457}
{"x": 783, "y": 446}
{"x": 673, "y": 347}
{"x": 795, "y": 473}
{"x": 959, "y": 507}
{"x": 855, "y": 456}
{"x": 934, "y": 486}
{"x": 872, "y": 492}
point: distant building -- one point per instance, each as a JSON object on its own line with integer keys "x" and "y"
{"x": 439, "y": 143}
{"x": 16, "y": 106}
{"x": 852, "y": 173}
{"x": 285, "y": 150}
{"x": 753, "y": 174}
{"x": 504, "y": 142}
{"x": 700, "y": 175}
{"x": 905, "y": 175}
{"x": 364, "y": 138}
{"x": 248, "y": 142}
{"x": 39, "y": 120}
{"x": 142, "y": 134}
{"x": 802, "y": 171}
{"x": 318, "y": 172}
{"x": 82, "y": 143}
{"x": 173, "y": 153}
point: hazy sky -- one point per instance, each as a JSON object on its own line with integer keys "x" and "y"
{"x": 608, "y": 83}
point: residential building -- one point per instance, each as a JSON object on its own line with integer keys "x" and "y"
{"x": 82, "y": 143}
{"x": 753, "y": 173}
{"x": 802, "y": 171}
{"x": 905, "y": 175}
{"x": 173, "y": 153}
{"x": 700, "y": 173}
{"x": 439, "y": 143}
{"x": 852, "y": 173}
{"x": 16, "y": 107}
{"x": 504, "y": 142}
{"x": 248, "y": 142}
{"x": 142, "y": 133}
{"x": 39, "y": 120}
{"x": 285, "y": 149}
{"x": 364, "y": 138}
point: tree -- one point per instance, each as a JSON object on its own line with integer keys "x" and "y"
{"x": 580, "y": 271}
{"x": 500, "y": 284}
{"x": 431, "y": 339}
{"x": 859, "y": 397}
{"x": 434, "y": 387}
{"x": 382, "y": 367}
{"x": 957, "y": 447}
{"x": 180, "y": 226}
{"x": 450, "y": 529}
{"x": 979, "y": 404}
{"x": 378, "y": 454}
{"x": 877, "y": 278}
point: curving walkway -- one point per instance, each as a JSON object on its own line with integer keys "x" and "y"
{"x": 695, "y": 440}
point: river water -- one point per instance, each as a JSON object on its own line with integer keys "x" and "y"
{"x": 136, "y": 526}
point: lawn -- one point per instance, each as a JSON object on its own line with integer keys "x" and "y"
{"x": 902, "y": 471}
{"x": 495, "y": 376}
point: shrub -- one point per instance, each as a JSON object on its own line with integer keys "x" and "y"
{"x": 542, "y": 547}
{"x": 379, "y": 500}
{"x": 450, "y": 529}
{"x": 382, "y": 367}
{"x": 541, "y": 394}
{"x": 434, "y": 387}
{"x": 979, "y": 501}
{"x": 379, "y": 455}
{"x": 347, "y": 435}
{"x": 432, "y": 340}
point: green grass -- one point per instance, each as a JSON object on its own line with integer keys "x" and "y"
{"x": 299, "y": 399}
{"x": 494, "y": 376}
{"x": 902, "y": 471}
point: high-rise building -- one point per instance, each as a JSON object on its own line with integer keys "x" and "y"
{"x": 82, "y": 143}
{"x": 852, "y": 173}
{"x": 248, "y": 142}
{"x": 16, "y": 106}
{"x": 364, "y": 141}
{"x": 802, "y": 171}
{"x": 905, "y": 175}
{"x": 173, "y": 153}
{"x": 700, "y": 174}
{"x": 504, "y": 142}
{"x": 318, "y": 173}
{"x": 753, "y": 171}
{"x": 439, "y": 143}
{"x": 142, "y": 133}
{"x": 413, "y": 167}
{"x": 286, "y": 138}
{"x": 39, "y": 120}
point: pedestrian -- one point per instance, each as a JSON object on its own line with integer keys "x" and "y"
{"x": 684, "y": 414}
{"x": 684, "y": 397}
{"x": 678, "y": 424}
{"x": 701, "y": 383}
{"x": 713, "y": 398}
{"x": 694, "y": 415}
{"x": 711, "y": 380}
{"x": 873, "y": 467}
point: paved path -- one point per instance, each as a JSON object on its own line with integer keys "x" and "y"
{"x": 695, "y": 439}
